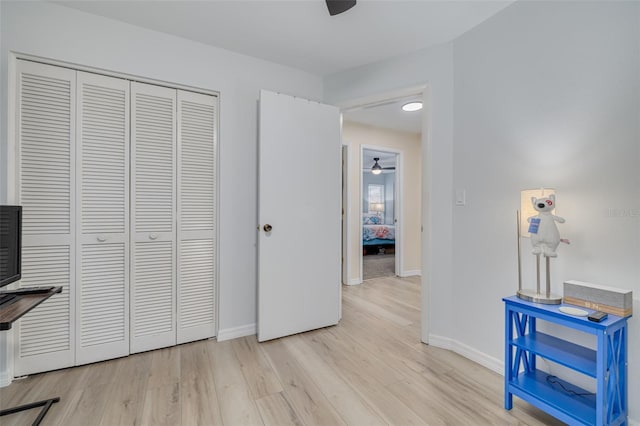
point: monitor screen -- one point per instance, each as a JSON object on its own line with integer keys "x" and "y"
{"x": 10, "y": 244}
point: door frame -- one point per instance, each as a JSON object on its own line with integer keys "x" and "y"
{"x": 346, "y": 208}
{"x": 424, "y": 91}
{"x": 398, "y": 211}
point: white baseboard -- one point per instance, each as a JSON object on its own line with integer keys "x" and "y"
{"x": 440, "y": 341}
{"x": 481, "y": 358}
{"x": 467, "y": 351}
{"x": 412, "y": 273}
{"x": 354, "y": 281}
{"x": 5, "y": 379}
{"x": 235, "y": 332}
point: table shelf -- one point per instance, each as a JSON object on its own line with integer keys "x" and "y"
{"x": 534, "y": 388}
{"x": 560, "y": 351}
{"x": 564, "y": 400}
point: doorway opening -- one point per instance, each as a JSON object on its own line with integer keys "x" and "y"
{"x": 378, "y": 128}
{"x": 380, "y": 197}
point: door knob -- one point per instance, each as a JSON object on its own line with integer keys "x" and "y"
{"x": 101, "y": 238}
{"x": 267, "y": 228}
{"x": 153, "y": 236}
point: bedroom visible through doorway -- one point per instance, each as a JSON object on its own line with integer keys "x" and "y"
{"x": 379, "y": 213}
{"x": 379, "y": 136}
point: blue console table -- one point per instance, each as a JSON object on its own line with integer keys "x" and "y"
{"x": 607, "y": 364}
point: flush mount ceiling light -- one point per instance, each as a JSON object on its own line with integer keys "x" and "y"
{"x": 412, "y": 106}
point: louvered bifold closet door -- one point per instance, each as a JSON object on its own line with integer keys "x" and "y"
{"x": 102, "y": 274}
{"x": 197, "y": 139}
{"x": 153, "y": 214}
{"x": 46, "y": 142}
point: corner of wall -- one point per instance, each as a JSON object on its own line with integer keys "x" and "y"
{"x": 485, "y": 360}
{"x": 236, "y": 332}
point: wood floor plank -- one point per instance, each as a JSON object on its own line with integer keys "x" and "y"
{"x": 348, "y": 403}
{"x": 82, "y": 407}
{"x": 276, "y": 410}
{"x": 369, "y": 369}
{"x": 378, "y": 310}
{"x": 397, "y": 300}
{"x": 125, "y": 401}
{"x": 162, "y": 398}
{"x": 198, "y": 397}
{"x": 237, "y": 406}
{"x": 88, "y": 404}
{"x": 366, "y": 376}
{"x": 336, "y": 341}
{"x": 388, "y": 349}
{"x": 426, "y": 403}
{"x": 309, "y": 403}
{"x": 44, "y": 386}
{"x": 161, "y": 405}
{"x": 258, "y": 373}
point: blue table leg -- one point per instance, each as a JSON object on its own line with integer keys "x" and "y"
{"x": 602, "y": 380}
{"x": 508, "y": 358}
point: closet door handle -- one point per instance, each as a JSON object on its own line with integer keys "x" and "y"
{"x": 101, "y": 238}
{"x": 153, "y": 236}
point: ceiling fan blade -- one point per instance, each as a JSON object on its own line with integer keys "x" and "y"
{"x": 389, "y": 168}
{"x": 336, "y": 7}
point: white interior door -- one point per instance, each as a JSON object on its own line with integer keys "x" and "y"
{"x": 102, "y": 182}
{"x": 197, "y": 140}
{"x": 300, "y": 198}
{"x": 153, "y": 217}
{"x": 46, "y": 124}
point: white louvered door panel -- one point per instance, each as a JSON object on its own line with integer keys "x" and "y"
{"x": 197, "y": 140}
{"x": 45, "y": 124}
{"x": 102, "y": 275}
{"x": 153, "y": 215}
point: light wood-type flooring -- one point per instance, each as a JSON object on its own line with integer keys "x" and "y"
{"x": 371, "y": 369}
{"x": 378, "y": 265}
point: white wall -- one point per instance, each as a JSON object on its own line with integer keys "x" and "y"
{"x": 433, "y": 67}
{"x": 53, "y": 31}
{"x": 543, "y": 93}
{"x": 547, "y": 93}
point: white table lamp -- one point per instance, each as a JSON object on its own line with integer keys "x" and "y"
{"x": 526, "y": 211}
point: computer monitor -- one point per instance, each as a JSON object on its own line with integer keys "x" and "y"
{"x": 10, "y": 244}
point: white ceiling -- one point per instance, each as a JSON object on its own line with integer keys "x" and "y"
{"x": 300, "y": 33}
{"x": 388, "y": 115}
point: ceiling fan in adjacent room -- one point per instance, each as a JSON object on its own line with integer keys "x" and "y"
{"x": 376, "y": 169}
{"x": 336, "y": 7}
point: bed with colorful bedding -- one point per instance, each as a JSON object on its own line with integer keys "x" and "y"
{"x": 376, "y": 233}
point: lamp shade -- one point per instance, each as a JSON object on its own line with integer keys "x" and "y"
{"x": 526, "y": 206}
{"x": 376, "y": 207}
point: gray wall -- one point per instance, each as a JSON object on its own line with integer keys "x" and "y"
{"x": 543, "y": 93}
{"x": 547, "y": 94}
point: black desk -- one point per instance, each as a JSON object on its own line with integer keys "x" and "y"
{"x": 10, "y": 314}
